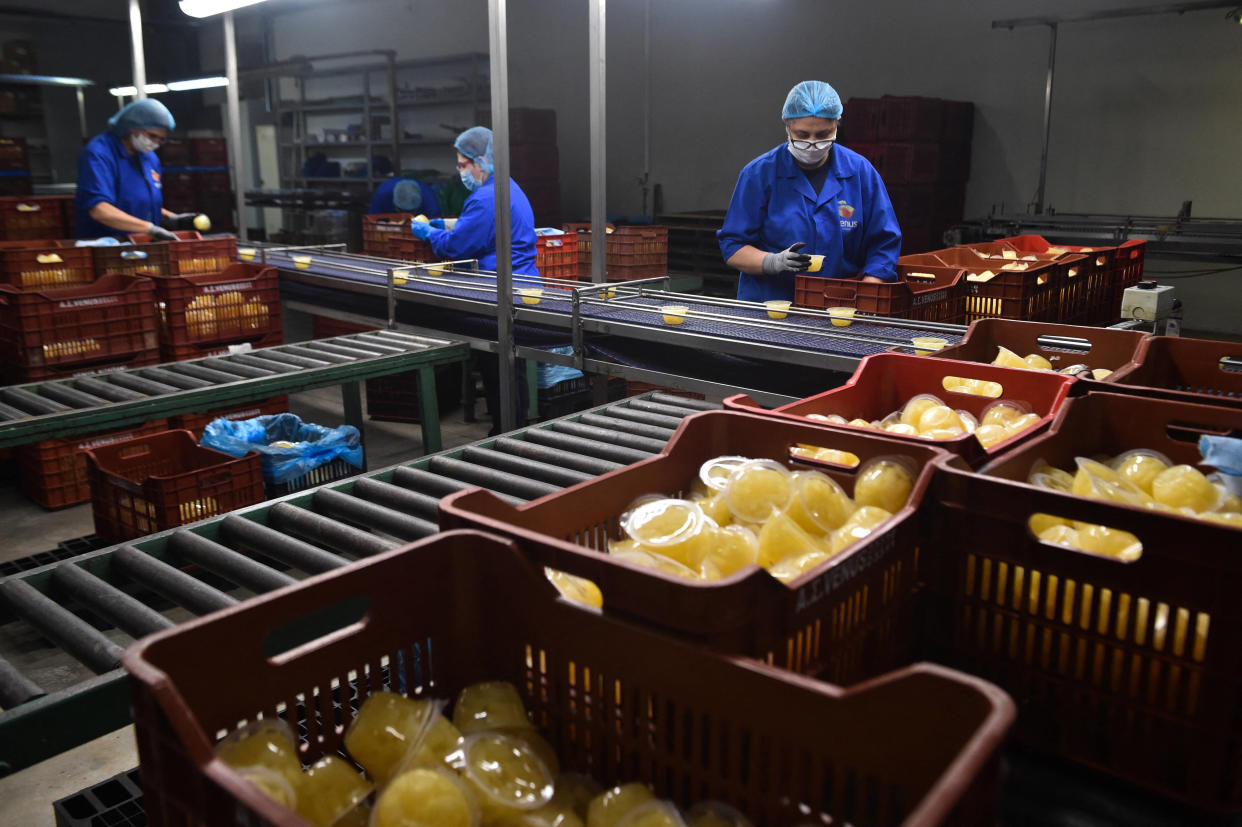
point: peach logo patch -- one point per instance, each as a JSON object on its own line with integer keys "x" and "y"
{"x": 844, "y": 210}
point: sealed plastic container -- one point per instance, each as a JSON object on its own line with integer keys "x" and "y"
{"x": 932, "y": 293}
{"x": 193, "y": 254}
{"x": 242, "y": 301}
{"x": 44, "y": 331}
{"x": 885, "y": 382}
{"x": 52, "y": 472}
{"x": 28, "y": 264}
{"x": 153, "y": 483}
{"x": 849, "y": 618}
{"x": 1131, "y": 668}
{"x": 765, "y": 741}
{"x": 1187, "y": 370}
{"x": 31, "y": 217}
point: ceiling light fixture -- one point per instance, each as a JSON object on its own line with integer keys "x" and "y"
{"x": 174, "y": 86}
{"x": 207, "y": 8}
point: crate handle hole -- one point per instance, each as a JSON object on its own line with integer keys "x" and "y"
{"x": 1086, "y": 538}
{"x": 317, "y": 629}
{"x": 1041, "y": 280}
{"x": 973, "y": 387}
{"x": 823, "y": 455}
{"x": 1230, "y": 364}
{"x": 133, "y": 255}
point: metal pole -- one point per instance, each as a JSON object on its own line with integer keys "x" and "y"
{"x": 599, "y": 200}
{"x": 235, "y": 130}
{"x": 1043, "y": 156}
{"x": 498, "y": 26}
{"x": 82, "y": 112}
{"x": 140, "y": 60}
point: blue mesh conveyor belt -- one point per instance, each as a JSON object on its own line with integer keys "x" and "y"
{"x": 794, "y": 332}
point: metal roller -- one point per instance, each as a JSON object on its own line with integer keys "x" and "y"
{"x": 215, "y": 377}
{"x": 259, "y": 362}
{"x": 177, "y": 380}
{"x": 625, "y": 426}
{"x": 593, "y": 466}
{"x": 437, "y": 485}
{"x": 394, "y": 496}
{"x": 172, "y": 583}
{"x": 70, "y": 632}
{"x": 234, "y": 368}
{"x": 227, "y": 563}
{"x": 290, "y": 359}
{"x": 135, "y": 617}
{"x": 656, "y": 408}
{"x": 363, "y": 512}
{"x": 317, "y": 355}
{"x": 15, "y": 688}
{"x": 69, "y": 396}
{"x": 143, "y": 386}
{"x": 271, "y": 543}
{"x": 490, "y": 478}
{"x": 522, "y": 466}
{"x": 684, "y": 402}
{"x": 326, "y": 531}
{"x": 360, "y": 352}
{"x": 640, "y": 443}
{"x": 634, "y": 415}
{"x": 9, "y": 412}
{"x": 30, "y": 402}
{"x": 582, "y": 445}
{"x": 106, "y": 390}
{"x": 383, "y": 343}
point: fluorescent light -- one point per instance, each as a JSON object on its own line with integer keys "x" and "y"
{"x": 197, "y": 83}
{"x": 128, "y": 91}
{"x": 206, "y": 8}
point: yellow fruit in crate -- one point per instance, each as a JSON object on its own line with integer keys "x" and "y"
{"x": 822, "y": 454}
{"x": 794, "y": 567}
{"x": 715, "y": 814}
{"x": 914, "y": 409}
{"x": 781, "y": 537}
{"x": 671, "y": 527}
{"x": 859, "y": 526}
{"x": 265, "y": 744}
{"x": 756, "y": 489}
{"x": 202, "y": 223}
{"x": 1111, "y": 541}
{"x": 537, "y": 744}
{"x": 861, "y": 423}
{"x": 386, "y": 726}
{"x": 1046, "y": 476}
{"x": 1062, "y": 535}
{"x": 939, "y": 417}
{"x": 989, "y": 435}
{"x": 1023, "y": 423}
{"x": 1184, "y": 487}
{"x": 330, "y": 789}
{"x": 1140, "y": 468}
{"x": 1039, "y": 523}
{"x": 732, "y": 548}
{"x": 489, "y": 705}
{"x": 574, "y": 793}
{"x": 1036, "y": 362}
{"x": 941, "y": 434}
{"x": 1231, "y": 503}
{"x": 577, "y": 589}
{"x": 819, "y": 505}
{"x": 652, "y": 814}
{"x": 654, "y": 560}
{"x": 1100, "y": 373}
{"x": 1006, "y": 358}
{"x": 506, "y": 775}
{"x": 713, "y": 506}
{"x": 426, "y": 798}
{"x": 609, "y": 807}
{"x": 885, "y": 484}
{"x": 1229, "y": 518}
{"x": 272, "y": 784}
{"x": 901, "y": 428}
{"x": 435, "y": 746}
{"x": 999, "y": 413}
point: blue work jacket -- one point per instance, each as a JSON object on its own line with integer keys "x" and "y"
{"x": 131, "y": 183}
{"x": 474, "y": 235}
{"x": 382, "y": 203}
{"x": 851, "y": 222}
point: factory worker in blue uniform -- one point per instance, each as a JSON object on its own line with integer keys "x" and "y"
{"x": 808, "y": 196}
{"x": 398, "y": 195}
{"x": 473, "y": 236}
{"x": 119, "y": 189}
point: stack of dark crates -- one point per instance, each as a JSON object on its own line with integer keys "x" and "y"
{"x": 196, "y": 179}
{"x": 535, "y": 163}
{"x": 921, "y": 148}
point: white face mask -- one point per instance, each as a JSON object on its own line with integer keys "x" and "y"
{"x": 468, "y": 180}
{"x": 807, "y": 157}
{"x": 141, "y": 143}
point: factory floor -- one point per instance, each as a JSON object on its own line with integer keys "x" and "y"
{"x": 29, "y": 529}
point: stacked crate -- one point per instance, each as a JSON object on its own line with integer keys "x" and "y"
{"x": 921, "y": 148}
{"x": 693, "y": 248}
{"x": 196, "y": 179}
{"x": 14, "y": 167}
{"x": 535, "y": 163}
{"x": 634, "y": 252}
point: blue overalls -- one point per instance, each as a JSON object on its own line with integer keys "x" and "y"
{"x": 474, "y": 235}
{"x": 382, "y": 203}
{"x": 131, "y": 183}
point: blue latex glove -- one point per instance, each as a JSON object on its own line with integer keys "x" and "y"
{"x": 443, "y": 223}
{"x": 420, "y": 229}
{"x": 438, "y": 223}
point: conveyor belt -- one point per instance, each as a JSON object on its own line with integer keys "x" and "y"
{"x": 77, "y": 405}
{"x": 73, "y": 618}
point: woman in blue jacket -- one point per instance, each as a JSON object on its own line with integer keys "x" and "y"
{"x": 405, "y": 195}
{"x": 808, "y": 196}
{"x": 119, "y": 188}
{"x": 473, "y": 235}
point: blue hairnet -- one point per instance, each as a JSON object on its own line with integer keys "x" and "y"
{"x": 147, "y": 113}
{"x": 812, "y": 99}
{"x": 407, "y": 195}
{"x": 476, "y": 144}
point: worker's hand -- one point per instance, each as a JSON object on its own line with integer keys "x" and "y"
{"x": 180, "y": 221}
{"x": 788, "y": 260}
{"x": 158, "y": 233}
{"x": 444, "y": 223}
{"x": 421, "y": 230}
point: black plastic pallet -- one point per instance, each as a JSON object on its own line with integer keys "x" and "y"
{"x": 63, "y": 551}
{"x": 116, "y": 802}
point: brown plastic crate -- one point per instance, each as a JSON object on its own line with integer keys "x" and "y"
{"x": 193, "y": 254}
{"x": 209, "y": 152}
{"x": 860, "y": 120}
{"x": 1083, "y": 284}
{"x": 1132, "y": 668}
{"x": 31, "y": 217}
{"x": 1185, "y": 370}
{"x": 20, "y": 264}
{"x": 556, "y": 256}
{"x": 617, "y": 702}
{"x": 1127, "y": 272}
{"x": 1033, "y": 294}
{"x": 941, "y": 298}
{"x": 241, "y": 301}
{"x": 132, "y": 259}
{"x": 196, "y": 422}
{"x": 149, "y": 484}
{"x": 111, "y": 319}
{"x": 1115, "y": 350}
{"x": 409, "y": 248}
{"x": 181, "y": 353}
{"x": 1100, "y": 279}
{"x": 909, "y": 118}
{"x": 379, "y": 227}
{"x": 850, "y": 618}
{"x": 52, "y": 472}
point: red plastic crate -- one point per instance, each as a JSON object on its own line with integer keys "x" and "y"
{"x": 132, "y": 259}
{"x": 885, "y": 382}
{"x": 1100, "y": 280}
{"x": 378, "y": 228}
{"x": 1034, "y": 294}
{"x": 635, "y": 388}
{"x": 153, "y": 483}
{"x": 409, "y": 248}
{"x": 30, "y": 264}
{"x": 1185, "y": 370}
{"x": 942, "y": 298}
{"x": 240, "y": 302}
{"x": 1131, "y": 668}
{"x": 634, "y": 252}
{"x": 619, "y": 703}
{"x": 174, "y": 153}
{"x": 110, "y": 319}
{"x": 76, "y": 369}
{"x": 909, "y": 118}
{"x": 192, "y": 254}
{"x": 556, "y": 256}
{"x": 325, "y": 327}
{"x": 1085, "y": 284}
{"x": 31, "y": 217}
{"x": 196, "y": 422}
{"x": 957, "y": 124}
{"x": 14, "y": 156}
{"x": 1127, "y": 272}
{"x": 52, "y": 472}
{"x": 181, "y": 353}
{"x": 909, "y": 162}
{"x": 209, "y": 152}
{"x": 852, "y": 617}
{"x": 860, "y": 120}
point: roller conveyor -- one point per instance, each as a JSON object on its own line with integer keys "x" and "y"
{"x": 88, "y": 608}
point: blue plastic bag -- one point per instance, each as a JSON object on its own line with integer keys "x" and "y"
{"x": 549, "y": 375}
{"x": 288, "y": 446}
